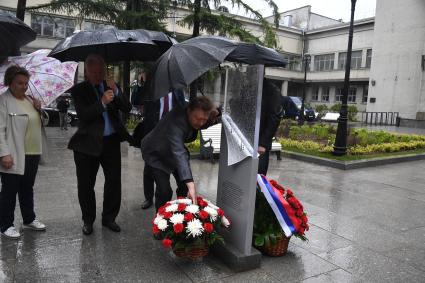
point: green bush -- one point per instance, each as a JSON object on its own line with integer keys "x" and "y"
{"x": 322, "y": 109}
{"x": 352, "y": 111}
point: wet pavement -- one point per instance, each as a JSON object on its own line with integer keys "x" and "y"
{"x": 367, "y": 225}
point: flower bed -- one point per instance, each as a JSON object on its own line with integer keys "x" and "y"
{"x": 320, "y": 138}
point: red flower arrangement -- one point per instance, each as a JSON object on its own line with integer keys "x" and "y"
{"x": 183, "y": 224}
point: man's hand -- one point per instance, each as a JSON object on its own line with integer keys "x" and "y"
{"x": 7, "y": 161}
{"x": 111, "y": 84}
{"x": 107, "y": 97}
{"x": 191, "y": 191}
{"x": 261, "y": 150}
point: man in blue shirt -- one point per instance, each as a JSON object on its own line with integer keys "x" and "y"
{"x": 98, "y": 103}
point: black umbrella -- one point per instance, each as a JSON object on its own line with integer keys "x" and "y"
{"x": 14, "y": 33}
{"x": 113, "y": 45}
{"x": 186, "y": 61}
{"x": 253, "y": 54}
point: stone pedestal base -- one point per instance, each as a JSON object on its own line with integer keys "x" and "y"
{"x": 235, "y": 260}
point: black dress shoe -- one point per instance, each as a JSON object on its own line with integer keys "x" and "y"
{"x": 87, "y": 229}
{"x": 146, "y": 204}
{"x": 112, "y": 226}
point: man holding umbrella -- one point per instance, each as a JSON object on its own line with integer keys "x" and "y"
{"x": 97, "y": 142}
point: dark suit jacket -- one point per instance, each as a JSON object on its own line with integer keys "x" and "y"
{"x": 89, "y": 137}
{"x": 164, "y": 147}
{"x": 271, "y": 111}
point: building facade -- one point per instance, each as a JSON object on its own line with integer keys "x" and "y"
{"x": 387, "y": 66}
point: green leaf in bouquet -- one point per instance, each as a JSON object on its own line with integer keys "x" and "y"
{"x": 259, "y": 241}
{"x": 273, "y": 239}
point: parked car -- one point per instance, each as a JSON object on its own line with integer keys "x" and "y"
{"x": 292, "y": 108}
{"x": 51, "y": 113}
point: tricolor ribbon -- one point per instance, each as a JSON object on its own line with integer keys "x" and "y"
{"x": 285, "y": 214}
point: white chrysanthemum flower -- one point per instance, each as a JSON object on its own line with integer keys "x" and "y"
{"x": 210, "y": 204}
{"x": 157, "y": 219}
{"x": 212, "y": 212}
{"x": 194, "y": 228}
{"x": 177, "y": 218}
{"x": 162, "y": 224}
{"x": 193, "y": 208}
{"x": 172, "y": 201}
{"x": 172, "y": 208}
{"x": 225, "y": 221}
{"x": 184, "y": 201}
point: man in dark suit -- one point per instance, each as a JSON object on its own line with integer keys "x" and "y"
{"x": 271, "y": 112}
{"x": 164, "y": 150}
{"x": 97, "y": 142}
{"x": 155, "y": 111}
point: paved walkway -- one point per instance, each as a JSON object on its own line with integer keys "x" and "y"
{"x": 367, "y": 225}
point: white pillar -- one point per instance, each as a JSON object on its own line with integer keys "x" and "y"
{"x": 284, "y": 89}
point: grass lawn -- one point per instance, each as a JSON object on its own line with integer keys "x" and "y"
{"x": 355, "y": 157}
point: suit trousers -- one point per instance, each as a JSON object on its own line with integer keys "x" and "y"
{"x": 263, "y": 163}
{"x": 22, "y": 185}
{"x": 164, "y": 191}
{"x": 87, "y": 167}
{"x": 149, "y": 184}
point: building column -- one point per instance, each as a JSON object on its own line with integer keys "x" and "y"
{"x": 311, "y": 64}
{"x": 336, "y": 58}
{"x": 364, "y": 55}
{"x": 284, "y": 89}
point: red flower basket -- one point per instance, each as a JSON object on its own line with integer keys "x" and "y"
{"x": 275, "y": 250}
{"x": 192, "y": 251}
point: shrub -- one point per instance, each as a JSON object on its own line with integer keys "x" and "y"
{"x": 352, "y": 111}
{"x": 322, "y": 109}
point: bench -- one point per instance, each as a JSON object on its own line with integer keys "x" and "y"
{"x": 331, "y": 117}
{"x": 211, "y": 139}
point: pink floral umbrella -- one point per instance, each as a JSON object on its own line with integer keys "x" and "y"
{"x": 49, "y": 77}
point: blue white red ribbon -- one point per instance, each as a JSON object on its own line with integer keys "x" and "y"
{"x": 285, "y": 214}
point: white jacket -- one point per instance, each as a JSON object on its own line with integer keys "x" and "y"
{"x": 13, "y": 126}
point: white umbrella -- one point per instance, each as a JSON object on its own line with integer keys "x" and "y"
{"x": 49, "y": 77}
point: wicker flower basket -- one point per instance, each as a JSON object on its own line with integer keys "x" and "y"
{"x": 278, "y": 249}
{"x": 192, "y": 252}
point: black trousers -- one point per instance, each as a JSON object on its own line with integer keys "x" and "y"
{"x": 263, "y": 163}
{"x": 87, "y": 167}
{"x": 23, "y": 185}
{"x": 149, "y": 184}
{"x": 164, "y": 191}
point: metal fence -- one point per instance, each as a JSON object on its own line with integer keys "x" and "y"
{"x": 380, "y": 118}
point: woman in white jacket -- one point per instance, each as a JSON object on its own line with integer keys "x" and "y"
{"x": 20, "y": 150}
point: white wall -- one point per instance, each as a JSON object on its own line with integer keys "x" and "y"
{"x": 398, "y": 45}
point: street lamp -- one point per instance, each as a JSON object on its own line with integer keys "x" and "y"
{"x": 306, "y": 60}
{"x": 340, "y": 146}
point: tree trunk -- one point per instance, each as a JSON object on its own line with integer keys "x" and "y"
{"x": 20, "y": 9}
{"x": 196, "y": 24}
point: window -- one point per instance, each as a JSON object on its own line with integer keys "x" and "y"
{"x": 365, "y": 94}
{"x": 352, "y": 95}
{"x": 356, "y": 60}
{"x": 324, "y": 62}
{"x": 325, "y": 94}
{"x": 52, "y": 26}
{"x": 368, "y": 58}
{"x": 315, "y": 95}
{"x": 293, "y": 62}
{"x": 90, "y": 26}
{"x": 9, "y": 12}
{"x": 338, "y": 95}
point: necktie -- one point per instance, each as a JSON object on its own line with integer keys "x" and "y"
{"x": 99, "y": 91}
{"x": 166, "y": 106}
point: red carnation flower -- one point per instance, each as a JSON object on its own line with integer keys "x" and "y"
{"x": 220, "y": 212}
{"x": 181, "y": 207}
{"x": 208, "y": 227}
{"x": 178, "y": 228}
{"x": 188, "y": 217}
{"x": 198, "y": 199}
{"x": 277, "y": 186}
{"x": 161, "y": 210}
{"x": 167, "y": 215}
{"x": 155, "y": 229}
{"x": 202, "y": 203}
{"x": 203, "y": 214}
{"x": 304, "y": 218}
{"x": 299, "y": 213}
{"x": 301, "y": 230}
{"x": 167, "y": 243}
{"x": 289, "y": 192}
